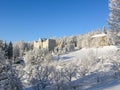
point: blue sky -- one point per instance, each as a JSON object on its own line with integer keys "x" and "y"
{"x": 30, "y": 19}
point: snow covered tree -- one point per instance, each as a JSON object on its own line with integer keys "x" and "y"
{"x": 58, "y": 80}
{"x": 19, "y": 49}
{"x": 79, "y": 40}
{"x": 104, "y": 30}
{"x": 30, "y": 46}
{"x": 114, "y": 21}
{"x": 16, "y": 52}
{"x": 69, "y": 47}
{"x": 41, "y": 77}
{"x": 69, "y": 72}
{"x": 1, "y": 44}
{"x": 21, "y": 45}
{"x": 8, "y": 77}
{"x": 36, "y": 68}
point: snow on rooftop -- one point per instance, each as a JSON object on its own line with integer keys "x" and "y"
{"x": 99, "y": 35}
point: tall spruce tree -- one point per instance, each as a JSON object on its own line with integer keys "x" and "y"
{"x": 10, "y": 50}
{"x": 114, "y": 21}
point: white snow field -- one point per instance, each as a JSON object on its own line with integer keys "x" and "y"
{"x": 86, "y": 52}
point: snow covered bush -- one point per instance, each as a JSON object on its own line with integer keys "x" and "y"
{"x": 41, "y": 77}
{"x": 69, "y": 72}
{"x": 58, "y": 80}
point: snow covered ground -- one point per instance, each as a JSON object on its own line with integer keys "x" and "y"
{"x": 89, "y": 82}
{"x": 85, "y": 52}
{"x": 112, "y": 85}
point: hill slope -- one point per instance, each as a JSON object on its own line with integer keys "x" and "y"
{"x": 103, "y": 68}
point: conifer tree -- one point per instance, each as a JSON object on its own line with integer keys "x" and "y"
{"x": 10, "y": 50}
{"x": 114, "y": 21}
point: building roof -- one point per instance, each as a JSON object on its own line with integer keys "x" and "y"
{"x": 99, "y": 35}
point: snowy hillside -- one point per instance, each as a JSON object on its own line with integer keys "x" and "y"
{"x": 102, "y": 72}
{"x": 86, "y": 52}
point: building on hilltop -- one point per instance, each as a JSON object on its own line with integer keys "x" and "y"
{"x": 99, "y": 40}
{"x": 95, "y": 40}
{"x": 49, "y": 44}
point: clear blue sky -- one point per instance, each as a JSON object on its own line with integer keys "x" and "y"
{"x": 30, "y": 19}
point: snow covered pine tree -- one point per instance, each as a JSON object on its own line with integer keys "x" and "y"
{"x": 114, "y": 21}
